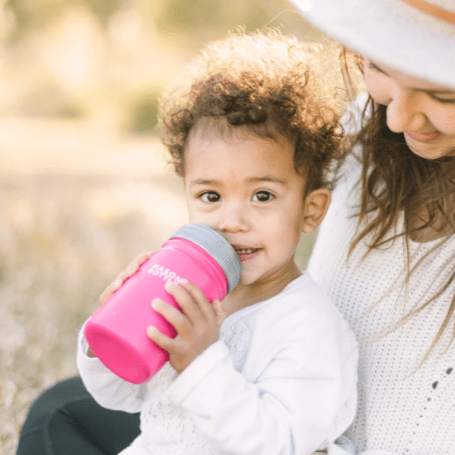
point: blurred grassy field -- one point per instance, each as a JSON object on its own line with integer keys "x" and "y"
{"x": 77, "y": 207}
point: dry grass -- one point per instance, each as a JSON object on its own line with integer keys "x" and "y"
{"x": 76, "y": 207}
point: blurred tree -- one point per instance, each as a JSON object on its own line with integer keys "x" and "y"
{"x": 145, "y": 114}
{"x": 104, "y": 9}
{"x": 206, "y": 20}
{"x": 184, "y": 16}
{"x": 39, "y": 13}
{"x": 108, "y": 60}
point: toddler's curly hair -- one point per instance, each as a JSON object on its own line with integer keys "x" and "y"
{"x": 267, "y": 83}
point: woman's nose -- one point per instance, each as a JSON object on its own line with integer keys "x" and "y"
{"x": 404, "y": 112}
{"x": 234, "y": 219}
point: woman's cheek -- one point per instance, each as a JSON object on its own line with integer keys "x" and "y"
{"x": 445, "y": 121}
{"x": 377, "y": 87}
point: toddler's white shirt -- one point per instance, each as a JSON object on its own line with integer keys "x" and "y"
{"x": 280, "y": 380}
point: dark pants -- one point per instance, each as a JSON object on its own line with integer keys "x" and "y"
{"x": 65, "y": 420}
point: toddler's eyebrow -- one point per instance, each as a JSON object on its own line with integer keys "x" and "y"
{"x": 201, "y": 182}
{"x": 266, "y": 178}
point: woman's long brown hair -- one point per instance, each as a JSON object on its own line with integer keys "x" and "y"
{"x": 396, "y": 180}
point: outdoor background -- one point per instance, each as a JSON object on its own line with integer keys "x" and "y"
{"x": 84, "y": 185}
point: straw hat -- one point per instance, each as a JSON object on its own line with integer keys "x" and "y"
{"x": 416, "y": 37}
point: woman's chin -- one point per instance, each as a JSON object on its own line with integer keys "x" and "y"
{"x": 430, "y": 151}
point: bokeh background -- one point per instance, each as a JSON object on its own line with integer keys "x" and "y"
{"x": 84, "y": 184}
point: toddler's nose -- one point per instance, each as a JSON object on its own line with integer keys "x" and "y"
{"x": 234, "y": 219}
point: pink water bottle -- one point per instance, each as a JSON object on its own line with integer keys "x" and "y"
{"x": 116, "y": 332}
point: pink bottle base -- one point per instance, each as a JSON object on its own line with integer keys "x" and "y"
{"x": 123, "y": 359}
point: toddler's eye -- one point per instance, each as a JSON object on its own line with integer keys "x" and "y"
{"x": 262, "y": 196}
{"x": 210, "y": 196}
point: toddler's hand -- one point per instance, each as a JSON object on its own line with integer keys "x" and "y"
{"x": 197, "y": 325}
{"x": 123, "y": 276}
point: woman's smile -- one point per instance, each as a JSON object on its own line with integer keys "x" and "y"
{"x": 423, "y": 137}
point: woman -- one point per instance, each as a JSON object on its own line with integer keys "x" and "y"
{"x": 386, "y": 250}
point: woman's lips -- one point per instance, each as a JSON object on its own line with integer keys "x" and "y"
{"x": 423, "y": 137}
{"x": 246, "y": 253}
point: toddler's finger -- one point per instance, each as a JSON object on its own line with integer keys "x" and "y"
{"x": 220, "y": 312}
{"x": 188, "y": 305}
{"x": 175, "y": 317}
{"x": 201, "y": 300}
{"x": 138, "y": 261}
{"x": 110, "y": 290}
{"x": 130, "y": 270}
{"x": 159, "y": 338}
{"x": 133, "y": 266}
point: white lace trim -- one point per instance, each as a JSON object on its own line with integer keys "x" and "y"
{"x": 166, "y": 429}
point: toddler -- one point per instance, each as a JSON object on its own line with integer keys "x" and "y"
{"x": 272, "y": 368}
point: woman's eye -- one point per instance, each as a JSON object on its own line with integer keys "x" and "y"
{"x": 262, "y": 196}
{"x": 210, "y": 196}
{"x": 443, "y": 100}
{"x": 371, "y": 66}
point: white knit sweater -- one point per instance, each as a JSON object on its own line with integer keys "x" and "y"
{"x": 403, "y": 408}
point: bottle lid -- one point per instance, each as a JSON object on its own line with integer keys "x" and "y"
{"x": 215, "y": 245}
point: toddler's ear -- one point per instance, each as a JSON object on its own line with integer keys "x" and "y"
{"x": 316, "y": 206}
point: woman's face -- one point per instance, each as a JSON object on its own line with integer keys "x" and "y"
{"x": 423, "y": 111}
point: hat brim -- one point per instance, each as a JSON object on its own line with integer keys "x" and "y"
{"x": 383, "y": 33}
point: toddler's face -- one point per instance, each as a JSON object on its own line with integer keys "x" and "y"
{"x": 246, "y": 187}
